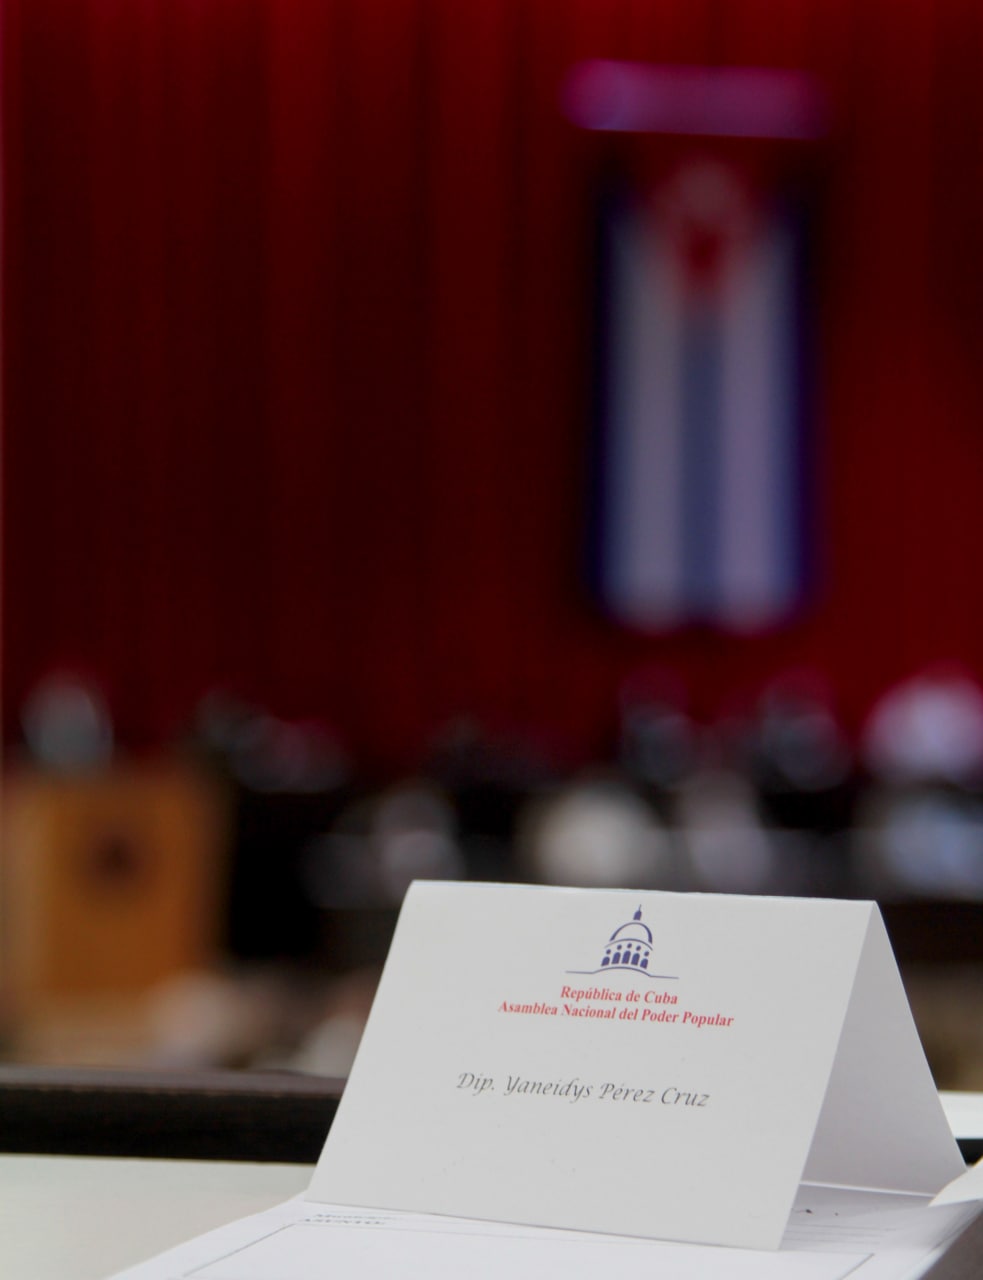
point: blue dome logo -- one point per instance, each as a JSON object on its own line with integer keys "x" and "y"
{"x": 629, "y": 947}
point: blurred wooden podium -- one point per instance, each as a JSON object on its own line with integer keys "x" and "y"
{"x": 109, "y": 882}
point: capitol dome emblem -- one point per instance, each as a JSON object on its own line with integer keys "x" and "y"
{"x": 629, "y": 947}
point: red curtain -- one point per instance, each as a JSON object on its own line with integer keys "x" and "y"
{"x": 297, "y": 344}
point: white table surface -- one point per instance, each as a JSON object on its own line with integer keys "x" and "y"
{"x": 76, "y": 1218}
{"x": 964, "y": 1111}
{"x": 80, "y": 1218}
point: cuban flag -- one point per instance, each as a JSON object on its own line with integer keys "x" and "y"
{"x": 700, "y": 471}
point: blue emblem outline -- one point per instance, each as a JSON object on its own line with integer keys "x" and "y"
{"x": 628, "y": 950}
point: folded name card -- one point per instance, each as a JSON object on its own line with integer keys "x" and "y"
{"x": 649, "y": 1064}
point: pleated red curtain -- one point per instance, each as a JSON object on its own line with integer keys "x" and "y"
{"x": 297, "y": 355}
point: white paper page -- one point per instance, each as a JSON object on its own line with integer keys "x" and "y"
{"x": 832, "y": 1235}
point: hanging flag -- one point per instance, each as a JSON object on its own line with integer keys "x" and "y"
{"x": 700, "y": 480}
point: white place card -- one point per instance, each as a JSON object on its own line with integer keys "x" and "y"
{"x": 649, "y": 1064}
